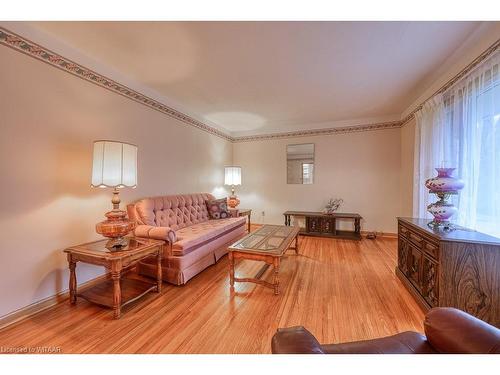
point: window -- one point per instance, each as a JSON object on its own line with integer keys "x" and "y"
{"x": 307, "y": 173}
{"x": 461, "y": 128}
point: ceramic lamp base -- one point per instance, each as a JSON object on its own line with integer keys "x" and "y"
{"x": 115, "y": 227}
{"x": 233, "y": 201}
{"x": 442, "y": 210}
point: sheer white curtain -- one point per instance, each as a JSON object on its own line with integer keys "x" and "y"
{"x": 461, "y": 128}
{"x": 429, "y": 150}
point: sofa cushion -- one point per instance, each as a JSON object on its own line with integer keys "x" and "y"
{"x": 179, "y": 269}
{"x": 217, "y": 208}
{"x": 174, "y": 211}
{"x": 191, "y": 237}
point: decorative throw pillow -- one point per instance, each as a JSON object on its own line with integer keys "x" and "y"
{"x": 217, "y": 209}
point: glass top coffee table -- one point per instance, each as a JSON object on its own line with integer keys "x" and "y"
{"x": 267, "y": 244}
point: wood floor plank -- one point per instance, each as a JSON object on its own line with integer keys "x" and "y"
{"x": 340, "y": 290}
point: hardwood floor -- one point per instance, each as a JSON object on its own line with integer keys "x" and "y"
{"x": 340, "y": 290}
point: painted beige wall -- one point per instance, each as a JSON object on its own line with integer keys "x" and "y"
{"x": 407, "y": 156}
{"x": 361, "y": 168}
{"x": 48, "y": 121}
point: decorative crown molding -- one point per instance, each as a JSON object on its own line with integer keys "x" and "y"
{"x": 327, "y": 131}
{"x": 32, "y": 49}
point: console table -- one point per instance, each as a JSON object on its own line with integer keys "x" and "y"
{"x": 458, "y": 269}
{"x": 325, "y": 225}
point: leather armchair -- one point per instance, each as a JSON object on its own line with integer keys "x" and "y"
{"x": 447, "y": 331}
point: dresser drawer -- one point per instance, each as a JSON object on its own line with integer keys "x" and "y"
{"x": 416, "y": 239}
{"x": 431, "y": 249}
{"x": 403, "y": 231}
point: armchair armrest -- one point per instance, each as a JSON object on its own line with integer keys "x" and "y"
{"x": 157, "y": 233}
{"x": 453, "y": 331}
{"x": 295, "y": 340}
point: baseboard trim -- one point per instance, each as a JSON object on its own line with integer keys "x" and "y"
{"x": 380, "y": 234}
{"x": 39, "y": 306}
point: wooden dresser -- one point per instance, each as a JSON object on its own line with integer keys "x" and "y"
{"x": 458, "y": 269}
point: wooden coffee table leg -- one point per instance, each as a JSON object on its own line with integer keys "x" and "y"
{"x": 231, "y": 269}
{"x": 117, "y": 294}
{"x": 276, "y": 281}
{"x": 297, "y": 245}
{"x": 72, "y": 280}
{"x": 158, "y": 271}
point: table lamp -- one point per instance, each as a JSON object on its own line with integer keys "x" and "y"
{"x": 114, "y": 166}
{"x": 232, "y": 176}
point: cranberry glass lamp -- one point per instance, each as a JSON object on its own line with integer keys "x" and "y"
{"x": 114, "y": 166}
{"x": 232, "y": 176}
{"x": 444, "y": 185}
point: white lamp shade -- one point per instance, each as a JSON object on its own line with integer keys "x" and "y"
{"x": 114, "y": 164}
{"x": 232, "y": 176}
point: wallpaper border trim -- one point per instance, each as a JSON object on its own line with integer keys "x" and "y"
{"x": 478, "y": 60}
{"x": 32, "y": 49}
{"x": 326, "y": 131}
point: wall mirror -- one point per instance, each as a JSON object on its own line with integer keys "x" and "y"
{"x": 300, "y": 164}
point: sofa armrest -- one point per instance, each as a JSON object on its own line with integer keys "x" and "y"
{"x": 295, "y": 340}
{"x": 453, "y": 331}
{"x": 157, "y": 233}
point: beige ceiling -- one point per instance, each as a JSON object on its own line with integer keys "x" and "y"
{"x": 263, "y": 77}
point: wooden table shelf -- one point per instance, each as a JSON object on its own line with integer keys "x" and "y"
{"x": 131, "y": 290}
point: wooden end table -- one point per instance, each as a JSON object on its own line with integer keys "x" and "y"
{"x": 118, "y": 291}
{"x": 267, "y": 244}
{"x": 243, "y": 212}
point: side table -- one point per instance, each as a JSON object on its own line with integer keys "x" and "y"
{"x": 118, "y": 291}
{"x": 243, "y": 212}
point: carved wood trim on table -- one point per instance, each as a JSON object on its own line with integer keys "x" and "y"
{"x": 325, "y": 225}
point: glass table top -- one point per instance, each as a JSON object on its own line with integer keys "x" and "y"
{"x": 99, "y": 247}
{"x": 269, "y": 238}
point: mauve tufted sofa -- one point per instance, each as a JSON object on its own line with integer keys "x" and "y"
{"x": 193, "y": 241}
